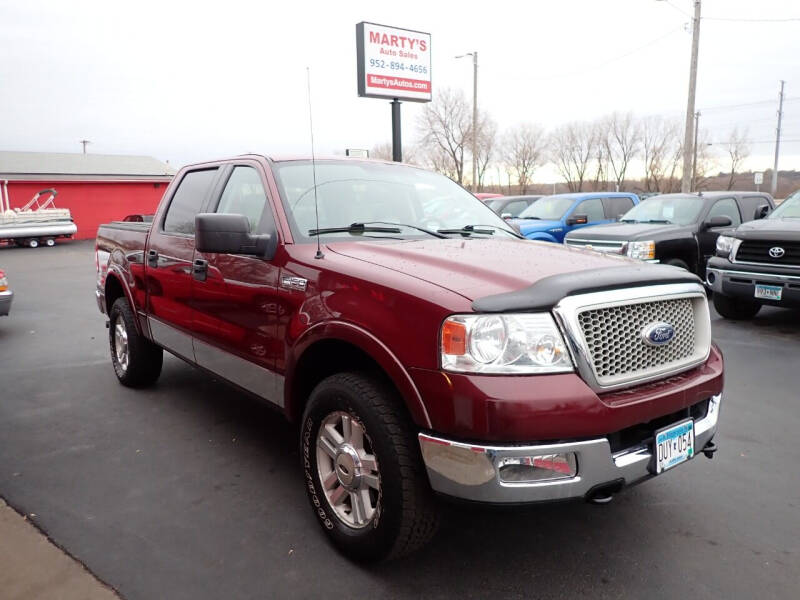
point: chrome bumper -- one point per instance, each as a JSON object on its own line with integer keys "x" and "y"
{"x": 101, "y": 300}
{"x": 5, "y": 302}
{"x": 715, "y": 277}
{"x": 472, "y": 472}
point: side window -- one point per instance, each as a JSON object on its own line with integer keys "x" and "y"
{"x": 616, "y": 207}
{"x": 244, "y": 195}
{"x": 515, "y": 207}
{"x": 187, "y": 201}
{"x": 750, "y": 206}
{"x": 592, "y": 208}
{"x": 725, "y": 208}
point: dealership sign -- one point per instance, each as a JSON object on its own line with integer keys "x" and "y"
{"x": 393, "y": 62}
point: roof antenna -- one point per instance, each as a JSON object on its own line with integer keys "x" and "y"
{"x": 319, "y": 253}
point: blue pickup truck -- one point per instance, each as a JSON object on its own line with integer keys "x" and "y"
{"x": 550, "y": 218}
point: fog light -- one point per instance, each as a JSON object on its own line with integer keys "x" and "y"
{"x": 545, "y": 467}
{"x": 711, "y": 277}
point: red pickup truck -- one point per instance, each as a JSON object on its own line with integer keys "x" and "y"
{"x": 421, "y": 346}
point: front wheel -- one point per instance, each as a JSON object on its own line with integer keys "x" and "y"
{"x": 33, "y": 243}
{"x": 363, "y": 469}
{"x": 137, "y": 361}
{"x": 735, "y": 308}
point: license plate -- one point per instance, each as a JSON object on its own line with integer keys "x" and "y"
{"x": 674, "y": 445}
{"x": 769, "y": 292}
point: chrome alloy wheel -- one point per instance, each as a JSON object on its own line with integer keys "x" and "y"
{"x": 348, "y": 469}
{"x": 121, "y": 344}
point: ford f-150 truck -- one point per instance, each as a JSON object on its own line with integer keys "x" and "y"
{"x": 421, "y": 346}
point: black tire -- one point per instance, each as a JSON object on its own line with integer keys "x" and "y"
{"x": 49, "y": 242}
{"x": 677, "y": 262}
{"x": 144, "y": 358}
{"x": 33, "y": 243}
{"x": 735, "y": 308}
{"x": 405, "y": 514}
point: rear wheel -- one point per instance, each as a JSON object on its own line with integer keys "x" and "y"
{"x": 49, "y": 242}
{"x": 363, "y": 469}
{"x": 735, "y": 308}
{"x": 33, "y": 243}
{"x": 137, "y": 361}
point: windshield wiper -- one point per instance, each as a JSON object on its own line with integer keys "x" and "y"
{"x": 657, "y": 221}
{"x": 422, "y": 229}
{"x": 537, "y": 218}
{"x": 628, "y": 221}
{"x": 355, "y": 229}
{"x": 470, "y": 229}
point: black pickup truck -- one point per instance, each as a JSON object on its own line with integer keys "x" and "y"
{"x": 676, "y": 229}
{"x": 758, "y": 263}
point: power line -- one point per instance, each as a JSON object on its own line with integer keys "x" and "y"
{"x": 746, "y": 104}
{"x": 745, "y": 20}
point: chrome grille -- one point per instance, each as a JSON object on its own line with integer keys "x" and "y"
{"x": 616, "y": 347}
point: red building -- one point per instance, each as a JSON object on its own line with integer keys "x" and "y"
{"x": 96, "y": 188}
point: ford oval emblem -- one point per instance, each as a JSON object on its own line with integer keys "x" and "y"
{"x": 777, "y": 252}
{"x": 658, "y": 334}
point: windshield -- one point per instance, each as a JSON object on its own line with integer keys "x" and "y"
{"x": 681, "y": 210}
{"x": 789, "y": 208}
{"x": 550, "y": 208}
{"x": 495, "y": 205}
{"x": 361, "y": 192}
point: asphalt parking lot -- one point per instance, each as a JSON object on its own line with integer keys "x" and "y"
{"x": 192, "y": 490}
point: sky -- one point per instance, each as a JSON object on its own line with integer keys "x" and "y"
{"x": 190, "y": 81}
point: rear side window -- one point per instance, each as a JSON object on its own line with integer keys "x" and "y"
{"x": 516, "y": 207}
{"x": 750, "y": 206}
{"x": 592, "y": 208}
{"x": 188, "y": 200}
{"x": 616, "y": 207}
{"x": 244, "y": 195}
{"x": 726, "y": 208}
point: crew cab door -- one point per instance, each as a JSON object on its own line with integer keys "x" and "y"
{"x": 707, "y": 237}
{"x": 235, "y": 296}
{"x": 168, "y": 262}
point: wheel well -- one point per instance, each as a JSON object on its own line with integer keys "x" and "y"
{"x": 323, "y": 359}
{"x": 113, "y": 291}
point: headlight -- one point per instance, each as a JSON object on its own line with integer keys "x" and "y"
{"x": 642, "y": 250}
{"x": 515, "y": 343}
{"x": 3, "y": 284}
{"x": 725, "y": 245}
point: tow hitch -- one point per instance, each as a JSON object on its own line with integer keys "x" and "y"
{"x": 709, "y": 449}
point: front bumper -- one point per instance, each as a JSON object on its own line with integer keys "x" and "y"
{"x": 5, "y": 302}
{"x": 739, "y": 281}
{"x": 472, "y": 471}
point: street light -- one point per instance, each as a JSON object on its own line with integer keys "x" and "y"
{"x": 474, "y": 56}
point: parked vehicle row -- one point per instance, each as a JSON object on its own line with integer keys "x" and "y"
{"x": 6, "y": 295}
{"x": 422, "y": 351}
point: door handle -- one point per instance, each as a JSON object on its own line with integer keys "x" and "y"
{"x": 200, "y": 269}
{"x": 152, "y": 258}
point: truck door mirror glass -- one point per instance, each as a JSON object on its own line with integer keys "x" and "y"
{"x": 762, "y": 211}
{"x": 578, "y": 220}
{"x": 718, "y": 221}
{"x": 230, "y": 234}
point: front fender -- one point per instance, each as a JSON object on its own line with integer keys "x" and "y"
{"x": 541, "y": 236}
{"x": 369, "y": 344}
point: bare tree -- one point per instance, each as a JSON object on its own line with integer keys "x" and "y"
{"x": 620, "y": 135}
{"x": 662, "y": 149}
{"x": 737, "y": 150}
{"x": 524, "y": 149}
{"x": 445, "y": 126}
{"x": 487, "y": 142}
{"x": 573, "y": 146}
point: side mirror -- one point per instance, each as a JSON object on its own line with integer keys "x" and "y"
{"x": 230, "y": 234}
{"x": 718, "y": 221}
{"x": 578, "y": 220}
{"x": 762, "y": 211}
{"x": 506, "y": 216}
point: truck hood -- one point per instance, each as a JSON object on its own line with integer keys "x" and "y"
{"x": 476, "y": 268}
{"x": 770, "y": 229}
{"x": 528, "y": 226}
{"x": 627, "y": 232}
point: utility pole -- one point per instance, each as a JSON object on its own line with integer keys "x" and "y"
{"x": 687, "y": 138}
{"x": 83, "y": 143}
{"x": 475, "y": 121}
{"x": 777, "y": 142}
{"x": 694, "y": 159}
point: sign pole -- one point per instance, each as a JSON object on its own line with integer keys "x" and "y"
{"x": 397, "y": 145}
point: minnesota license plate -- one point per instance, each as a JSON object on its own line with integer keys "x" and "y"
{"x": 769, "y": 292}
{"x": 674, "y": 445}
